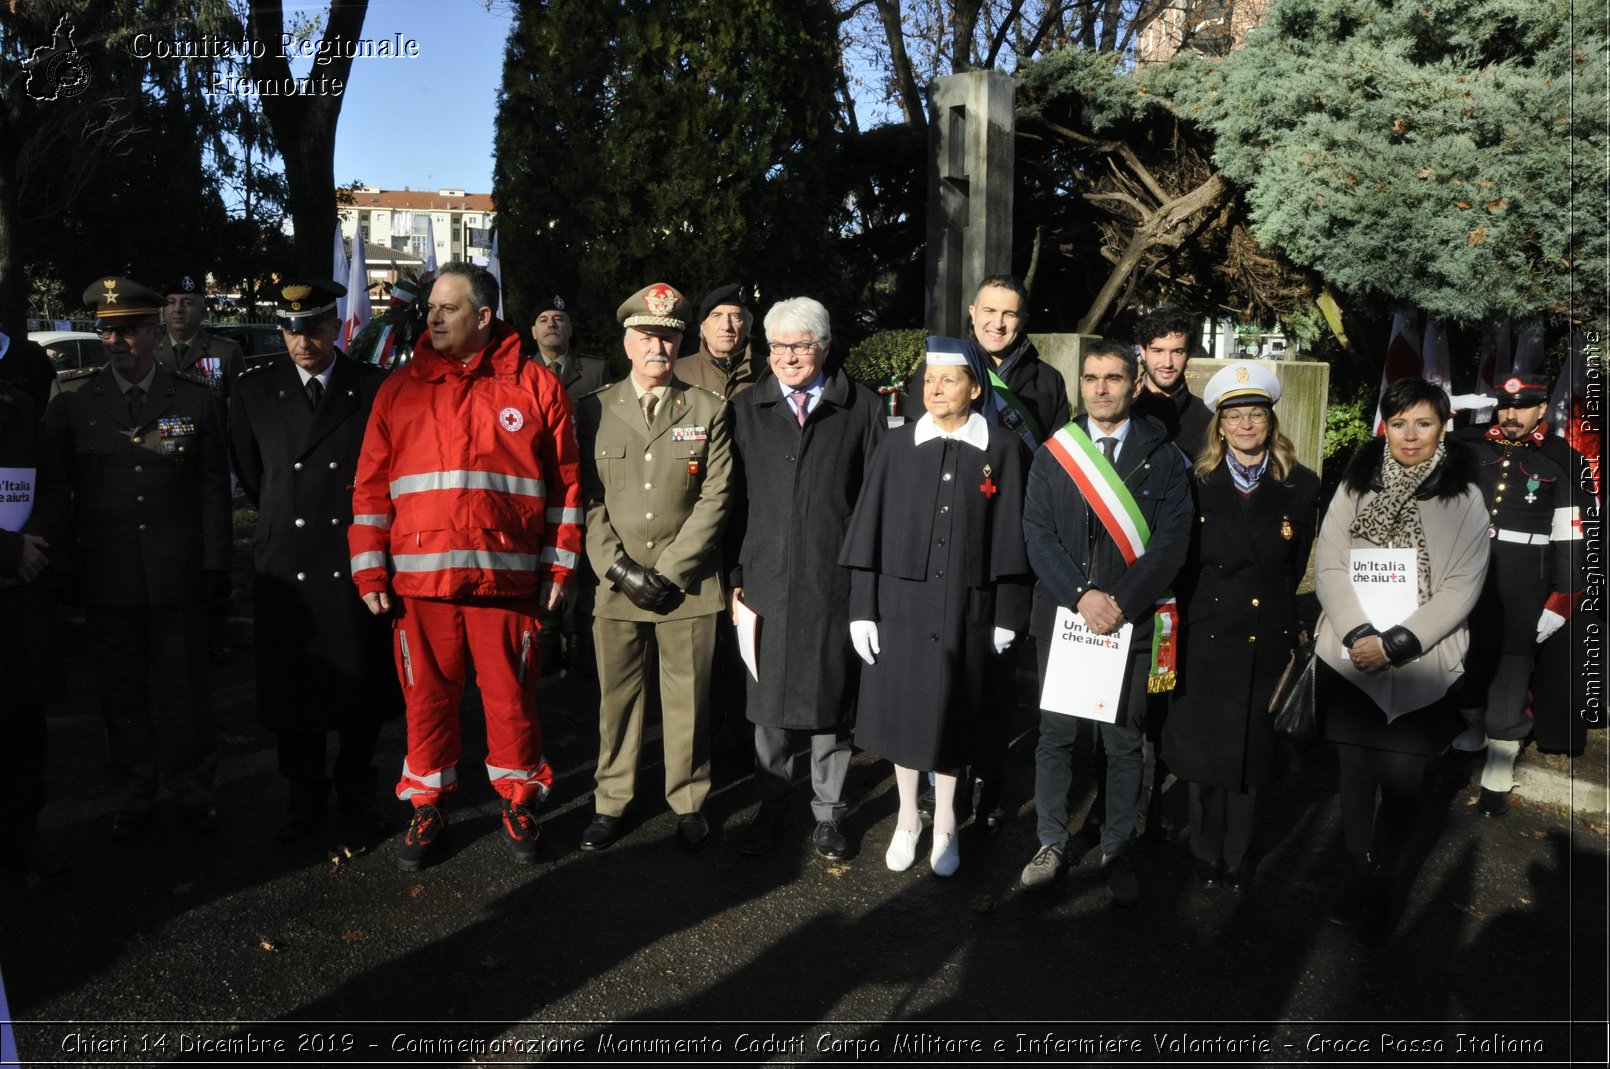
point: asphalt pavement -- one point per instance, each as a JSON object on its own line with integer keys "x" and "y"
{"x": 230, "y": 947}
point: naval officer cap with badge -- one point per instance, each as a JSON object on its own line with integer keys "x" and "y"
{"x": 656, "y": 469}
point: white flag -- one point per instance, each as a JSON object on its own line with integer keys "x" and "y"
{"x": 494, "y": 265}
{"x": 430, "y": 245}
{"x": 357, "y": 294}
{"x": 339, "y": 267}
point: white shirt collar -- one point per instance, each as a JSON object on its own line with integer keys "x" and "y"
{"x": 323, "y": 376}
{"x": 975, "y": 432}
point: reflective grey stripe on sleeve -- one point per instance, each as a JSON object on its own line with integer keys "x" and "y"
{"x": 562, "y": 557}
{"x": 381, "y": 521}
{"x": 467, "y": 480}
{"x": 371, "y": 559}
{"x": 465, "y": 558}
{"x": 566, "y": 515}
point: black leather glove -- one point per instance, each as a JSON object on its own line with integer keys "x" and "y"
{"x": 638, "y": 584}
{"x": 1400, "y": 645}
{"x": 1361, "y": 631}
{"x": 667, "y": 590}
{"x": 216, "y": 585}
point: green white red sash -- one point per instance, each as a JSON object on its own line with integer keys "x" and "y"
{"x": 1120, "y": 516}
{"x": 1014, "y": 414}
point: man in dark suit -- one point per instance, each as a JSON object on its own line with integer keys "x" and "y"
{"x": 1108, "y": 573}
{"x": 571, "y": 624}
{"x": 192, "y": 353}
{"x": 136, "y": 480}
{"x": 656, "y": 466}
{"x": 323, "y": 660}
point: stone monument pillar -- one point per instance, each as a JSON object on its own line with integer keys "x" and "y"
{"x": 970, "y": 175}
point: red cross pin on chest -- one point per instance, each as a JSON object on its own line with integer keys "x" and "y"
{"x": 988, "y": 487}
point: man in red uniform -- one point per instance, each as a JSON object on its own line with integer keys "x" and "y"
{"x": 467, "y": 524}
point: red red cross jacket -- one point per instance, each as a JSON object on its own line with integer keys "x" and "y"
{"x": 468, "y": 483}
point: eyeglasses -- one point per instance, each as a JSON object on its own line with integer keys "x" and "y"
{"x": 798, "y": 348}
{"x": 1245, "y": 415}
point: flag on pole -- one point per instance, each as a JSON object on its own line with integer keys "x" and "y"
{"x": 1402, "y": 357}
{"x": 357, "y": 294}
{"x": 494, "y": 265}
{"x": 430, "y": 245}
{"x": 1496, "y": 362}
{"x": 339, "y": 266}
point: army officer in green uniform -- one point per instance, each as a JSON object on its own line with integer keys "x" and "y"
{"x": 656, "y": 463}
{"x": 135, "y": 479}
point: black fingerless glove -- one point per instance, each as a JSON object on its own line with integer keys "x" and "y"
{"x": 1400, "y": 645}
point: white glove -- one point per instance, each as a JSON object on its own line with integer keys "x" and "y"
{"x": 1468, "y": 402}
{"x": 1548, "y": 623}
{"x": 1004, "y": 639}
{"x": 864, "y": 637}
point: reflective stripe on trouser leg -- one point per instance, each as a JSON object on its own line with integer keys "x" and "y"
{"x": 500, "y": 634}
{"x": 426, "y": 787}
{"x": 428, "y": 644}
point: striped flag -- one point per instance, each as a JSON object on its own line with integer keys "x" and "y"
{"x": 357, "y": 316}
{"x": 1402, "y": 357}
{"x": 430, "y": 245}
{"x": 339, "y": 267}
{"x": 495, "y": 265}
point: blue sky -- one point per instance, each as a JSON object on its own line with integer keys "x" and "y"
{"x": 424, "y": 123}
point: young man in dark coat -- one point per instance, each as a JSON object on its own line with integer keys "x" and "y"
{"x": 135, "y": 478}
{"x": 1080, "y": 566}
{"x": 803, "y": 440}
{"x": 323, "y": 660}
{"x": 1166, "y": 337}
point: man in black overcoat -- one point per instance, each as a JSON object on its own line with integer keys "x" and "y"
{"x": 324, "y": 661}
{"x": 804, "y": 438}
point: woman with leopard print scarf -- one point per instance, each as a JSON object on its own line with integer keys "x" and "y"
{"x": 1387, "y": 683}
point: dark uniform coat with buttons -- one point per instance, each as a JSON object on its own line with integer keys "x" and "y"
{"x": 144, "y": 506}
{"x": 657, "y": 494}
{"x": 797, "y": 489}
{"x": 208, "y": 359}
{"x": 324, "y": 661}
{"x": 936, "y": 548}
{"x": 1238, "y": 605}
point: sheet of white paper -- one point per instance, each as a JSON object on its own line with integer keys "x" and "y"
{"x": 748, "y": 628}
{"x": 16, "y": 497}
{"x": 1084, "y": 675}
{"x": 1386, "y": 584}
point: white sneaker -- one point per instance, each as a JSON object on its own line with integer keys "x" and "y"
{"x": 902, "y": 852}
{"x": 946, "y": 857}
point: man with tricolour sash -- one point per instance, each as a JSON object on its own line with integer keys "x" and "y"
{"x": 1107, "y": 522}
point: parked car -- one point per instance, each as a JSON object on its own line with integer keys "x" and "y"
{"x": 258, "y": 341}
{"x": 70, "y": 350}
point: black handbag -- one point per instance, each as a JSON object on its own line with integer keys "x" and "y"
{"x": 1295, "y": 702}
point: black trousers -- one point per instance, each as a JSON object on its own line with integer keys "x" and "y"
{"x": 302, "y": 757}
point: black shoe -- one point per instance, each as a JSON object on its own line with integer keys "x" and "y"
{"x": 1379, "y": 914}
{"x": 1209, "y": 872}
{"x": 1239, "y": 878}
{"x": 203, "y": 817}
{"x": 523, "y": 831}
{"x": 427, "y": 829}
{"x": 1121, "y": 881}
{"x": 130, "y": 824}
{"x": 367, "y": 815}
{"x": 1493, "y": 803}
{"x": 761, "y": 833}
{"x": 830, "y": 841}
{"x": 601, "y": 832}
{"x": 987, "y": 807}
{"x": 1348, "y": 903}
{"x": 692, "y": 830}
